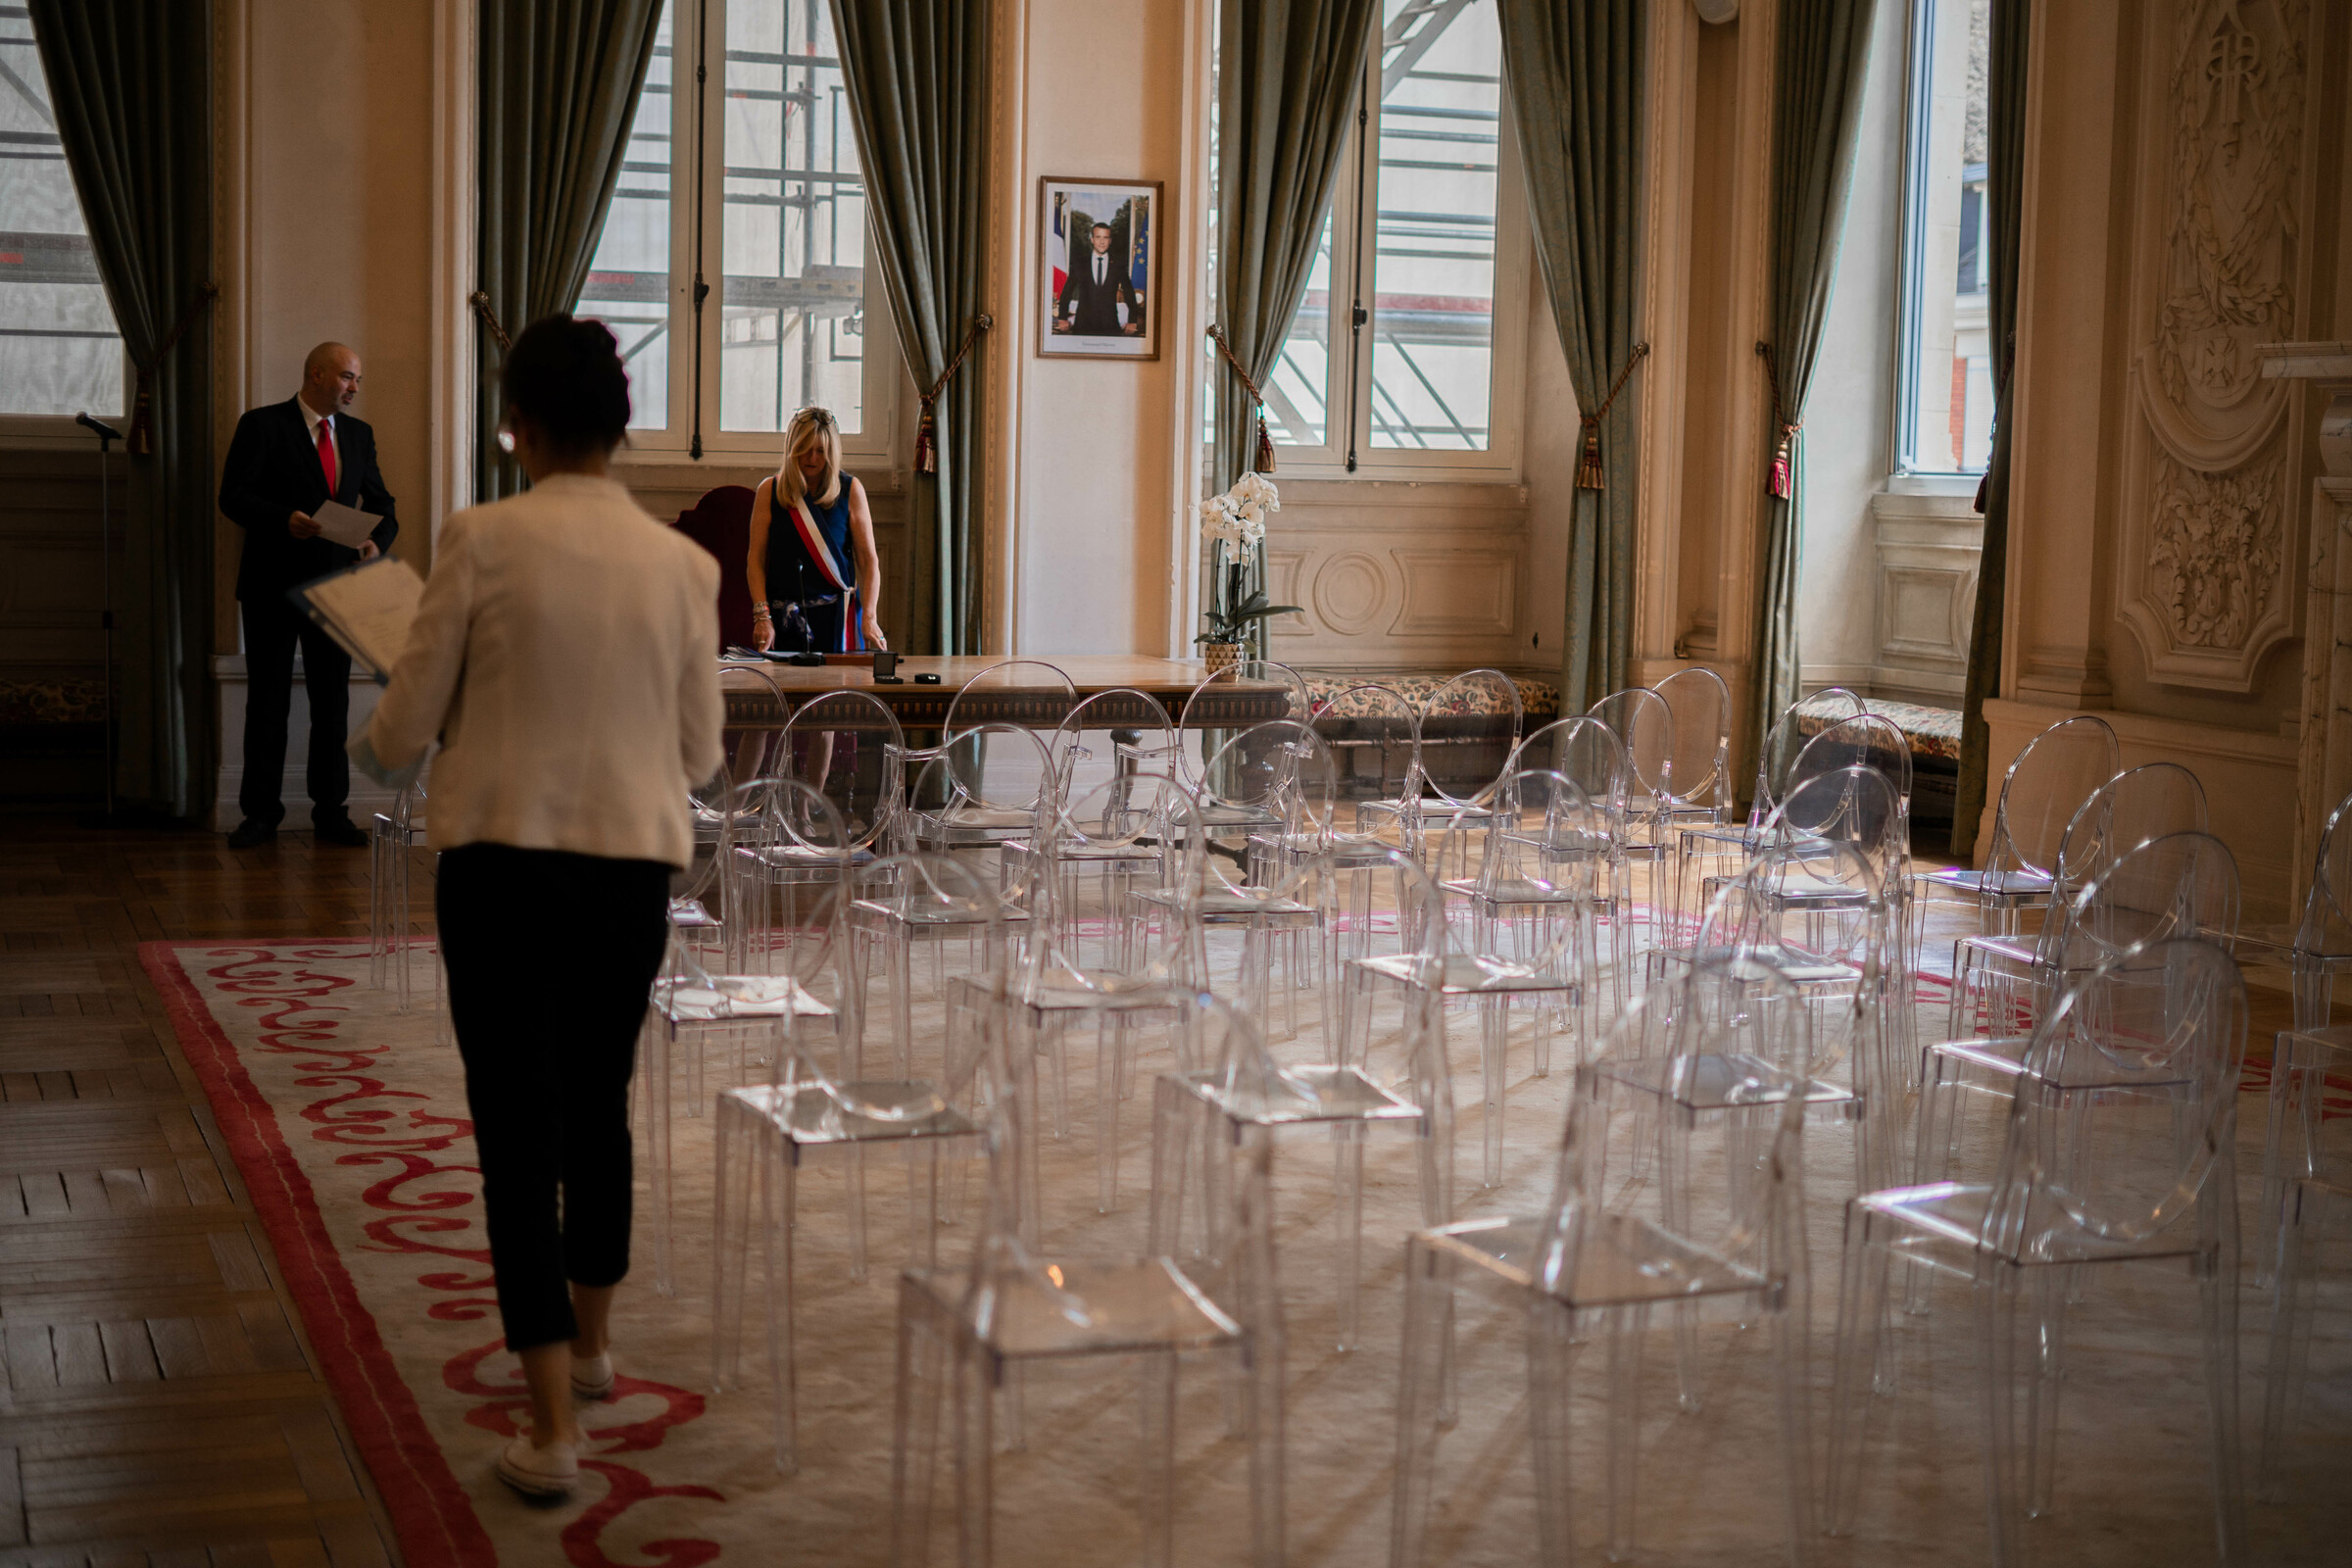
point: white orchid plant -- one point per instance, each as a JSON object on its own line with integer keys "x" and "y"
{"x": 1237, "y": 523}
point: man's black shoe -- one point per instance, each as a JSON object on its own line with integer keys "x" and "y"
{"x": 346, "y": 833}
{"x": 252, "y": 833}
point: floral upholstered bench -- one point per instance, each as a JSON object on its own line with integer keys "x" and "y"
{"x": 1935, "y": 737}
{"x": 1464, "y": 743}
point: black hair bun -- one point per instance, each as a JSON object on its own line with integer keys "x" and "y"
{"x": 564, "y": 375}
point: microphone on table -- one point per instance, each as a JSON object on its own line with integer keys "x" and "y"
{"x": 103, "y": 430}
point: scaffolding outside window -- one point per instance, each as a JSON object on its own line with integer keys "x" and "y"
{"x": 1943, "y": 410}
{"x": 781, "y": 241}
{"x": 61, "y": 353}
{"x": 1404, "y": 351}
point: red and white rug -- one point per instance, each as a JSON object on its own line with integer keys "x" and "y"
{"x": 348, "y": 1122}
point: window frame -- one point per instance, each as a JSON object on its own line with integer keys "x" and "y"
{"x": 1910, "y": 293}
{"x": 1346, "y": 450}
{"x": 58, "y": 431}
{"x": 698, "y": 192}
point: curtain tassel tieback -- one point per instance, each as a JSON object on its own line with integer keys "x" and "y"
{"x": 1589, "y": 473}
{"x": 1783, "y": 470}
{"x": 481, "y": 308}
{"x": 141, "y": 440}
{"x": 1262, "y": 460}
{"x": 926, "y": 435}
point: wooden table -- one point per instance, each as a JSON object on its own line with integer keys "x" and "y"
{"x": 752, "y": 701}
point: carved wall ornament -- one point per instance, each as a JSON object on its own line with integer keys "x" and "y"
{"x": 2207, "y": 572}
{"x": 2217, "y": 546}
{"x": 2235, "y": 106}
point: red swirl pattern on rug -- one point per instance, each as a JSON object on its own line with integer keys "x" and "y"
{"x": 425, "y": 1202}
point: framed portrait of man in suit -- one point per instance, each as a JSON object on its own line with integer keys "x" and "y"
{"x": 1099, "y": 267}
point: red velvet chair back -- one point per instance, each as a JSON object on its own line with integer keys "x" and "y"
{"x": 721, "y": 523}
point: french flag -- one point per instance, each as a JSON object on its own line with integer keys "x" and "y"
{"x": 1061, "y": 244}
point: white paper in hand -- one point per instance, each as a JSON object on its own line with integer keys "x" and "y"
{"x": 367, "y": 609}
{"x": 347, "y": 526}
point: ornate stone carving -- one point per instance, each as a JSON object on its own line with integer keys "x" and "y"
{"x": 2235, "y": 103}
{"x": 2208, "y": 573}
{"x": 2214, "y": 557}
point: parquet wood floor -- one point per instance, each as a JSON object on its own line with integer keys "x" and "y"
{"x": 159, "y": 1403}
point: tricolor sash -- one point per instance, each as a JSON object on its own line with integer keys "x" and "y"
{"x": 812, "y": 539}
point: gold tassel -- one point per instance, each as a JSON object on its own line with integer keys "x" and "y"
{"x": 926, "y": 443}
{"x": 1781, "y": 476}
{"x": 1587, "y": 470}
{"x": 1266, "y": 444}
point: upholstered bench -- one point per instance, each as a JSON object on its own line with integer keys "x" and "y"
{"x": 1463, "y": 746}
{"x": 52, "y": 738}
{"x": 1935, "y": 737}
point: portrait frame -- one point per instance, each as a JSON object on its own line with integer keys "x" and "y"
{"x": 1069, "y": 209}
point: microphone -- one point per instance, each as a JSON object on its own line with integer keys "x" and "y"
{"x": 100, "y": 427}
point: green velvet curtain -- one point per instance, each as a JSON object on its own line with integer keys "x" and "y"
{"x": 2005, "y": 160}
{"x": 1575, "y": 78}
{"x": 1289, "y": 73}
{"x": 1823, "y": 57}
{"x": 559, "y": 86}
{"x": 131, "y": 83}
{"x": 917, "y": 76}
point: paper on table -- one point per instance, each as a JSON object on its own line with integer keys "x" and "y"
{"x": 367, "y": 608}
{"x": 347, "y": 526}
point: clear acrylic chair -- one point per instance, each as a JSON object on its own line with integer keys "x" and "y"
{"x": 1374, "y": 733}
{"x": 1269, "y": 807}
{"x": 1590, "y": 755}
{"x": 1467, "y": 734}
{"x": 1994, "y": 978}
{"x": 2121, "y": 1148}
{"x": 839, "y": 744}
{"x": 1590, "y": 1267}
{"x": 2307, "y": 1196}
{"x": 1644, "y": 726}
{"x": 1702, "y": 704}
{"x": 1726, "y": 847}
{"x": 889, "y": 921}
{"x": 1527, "y": 937}
{"x": 967, "y": 1336}
{"x": 1054, "y": 988}
{"x": 992, "y": 788}
{"x": 1108, "y": 744}
{"x": 2182, "y": 886}
{"x": 2323, "y": 942}
{"x": 1238, "y": 1085}
{"x": 1813, "y": 908}
{"x": 722, "y": 1026}
{"x": 1285, "y": 695}
{"x": 814, "y": 1100}
{"x": 2045, "y": 787}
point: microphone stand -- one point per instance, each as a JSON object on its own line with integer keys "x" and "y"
{"x": 106, "y": 434}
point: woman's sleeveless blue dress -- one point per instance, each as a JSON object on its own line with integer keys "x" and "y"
{"x": 818, "y": 576}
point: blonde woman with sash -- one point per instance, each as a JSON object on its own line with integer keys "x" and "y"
{"x": 813, "y": 568}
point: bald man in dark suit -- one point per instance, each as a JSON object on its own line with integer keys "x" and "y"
{"x": 286, "y": 461}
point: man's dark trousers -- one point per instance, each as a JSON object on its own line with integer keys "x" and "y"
{"x": 274, "y": 629}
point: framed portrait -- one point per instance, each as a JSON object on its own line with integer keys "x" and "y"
{"x": 1099, "y": 268}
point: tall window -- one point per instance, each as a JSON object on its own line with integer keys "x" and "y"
{"x": 1405, "y": 355}
{"x": 754, "y": 184}
{"x": 1944, "y": 418}
{"x": 59, "y": 353}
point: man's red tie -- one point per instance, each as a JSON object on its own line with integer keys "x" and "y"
{"x": 327, "y": 454}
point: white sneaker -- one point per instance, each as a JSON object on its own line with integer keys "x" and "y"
{"x": 592, "y": 1379}
{"x": 549, "y": 1472}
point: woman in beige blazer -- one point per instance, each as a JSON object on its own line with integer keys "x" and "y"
{"x": 563, "y": 655}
